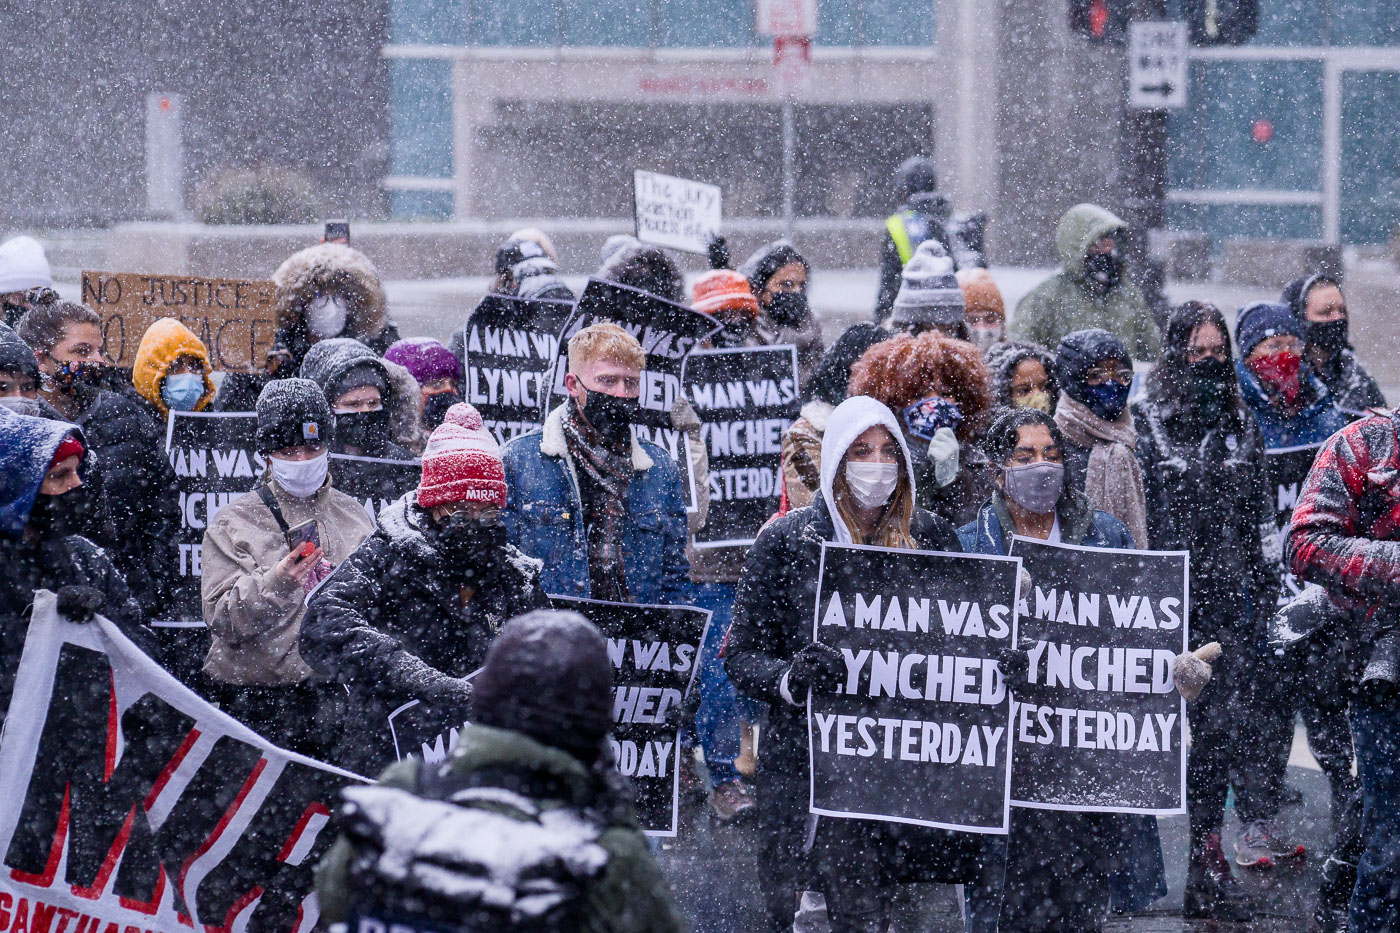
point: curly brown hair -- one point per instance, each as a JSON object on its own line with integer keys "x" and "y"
{"x": 904, "y": 369}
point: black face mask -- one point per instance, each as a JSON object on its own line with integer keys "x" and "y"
{"x": 611, "y": 416}
{"x": 75, "y": 512}
{"x": 1208, "y": 387}
{"x": 1327, "y": 335}
{"x": 472, "y": 550}
{"x": 1104, "y": 269}
{"x": 365, "y": 430}
{"x": 435, "y": 408}
{"x": 789, "y": 309}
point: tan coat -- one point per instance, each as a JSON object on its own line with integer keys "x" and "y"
{"x": 254, "y": 614}
{"x": 802, "y": 454}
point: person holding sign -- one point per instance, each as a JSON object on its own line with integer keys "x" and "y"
{"x": 411, "y": 612}
{"x": 137, "y": 478}
{"x": 262, "y": 553}
{"x": 1206, "y": 488}
{"x": 1047, "y": 887}
{"x": 602, "y": 509}
{"x": 868, "y": 497}
{"x": 171, "y": 370}
{"x": 47, "y": 512}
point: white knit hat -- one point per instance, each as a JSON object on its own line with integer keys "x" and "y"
{"x": 23, "y": 265}
{"x": 929, "y": 292}
{"x": 462, "y": 462}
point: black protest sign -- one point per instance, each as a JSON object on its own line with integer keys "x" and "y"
{"x": 215, "y": 458}
{"x": 511, "y": 345}
{"x": 746, "y": 398}
{"x": 667, "y": 331}
{"x": 1097, "y": 723}
{"x": 654, "y": 652}
{"x": 1287, "y": 468}
{"x": 918, "y": 732}
{"x": 374, "y": 481}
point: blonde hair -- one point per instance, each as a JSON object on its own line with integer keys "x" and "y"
{"x": 605, "y": 341}
{"x": 892, "y": 530}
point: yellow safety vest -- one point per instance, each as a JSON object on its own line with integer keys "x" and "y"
{"x": 898, "y": 227}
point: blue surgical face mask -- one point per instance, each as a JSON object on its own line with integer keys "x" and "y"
{"x": 183, "y": 391}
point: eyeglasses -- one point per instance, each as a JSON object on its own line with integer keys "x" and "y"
{"x": 487, "y": 517}
{"x": 1123, "y": 376}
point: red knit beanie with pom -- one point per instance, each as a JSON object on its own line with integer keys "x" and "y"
{"x": 462, "y": 462}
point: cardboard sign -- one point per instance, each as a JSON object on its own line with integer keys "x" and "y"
{"x": 746, "y": 398}
{"x": 676, "y": 213}
{"x": 511, "y": 345}
{"x": 127, "y": 802}
{"x": 1098, "y": 724}
{"x": 919, "y": 731}
{"x": 654, "y": 652}
{"x": 233, "y": 317}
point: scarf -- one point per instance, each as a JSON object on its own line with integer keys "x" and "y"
{"x": 604, "y": 476}
{"x": 1113, "y": 480}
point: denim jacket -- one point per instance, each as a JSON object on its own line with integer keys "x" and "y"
{"x": 544, "y": 517}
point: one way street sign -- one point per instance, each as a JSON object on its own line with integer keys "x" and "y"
{"x": 1157, "y": 65}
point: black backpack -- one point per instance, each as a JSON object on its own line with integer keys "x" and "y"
{"x": 467, "y": 854}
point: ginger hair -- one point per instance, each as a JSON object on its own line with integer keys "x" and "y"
{"x": 905, "y": 369}
{"x": 605, "y": 341}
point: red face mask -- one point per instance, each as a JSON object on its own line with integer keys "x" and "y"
{"x": 1280, "y": 372}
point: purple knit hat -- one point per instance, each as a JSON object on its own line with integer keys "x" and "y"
{"x": 425, "y": 358}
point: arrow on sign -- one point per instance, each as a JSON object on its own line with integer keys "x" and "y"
{"x": 1165, "y": 89}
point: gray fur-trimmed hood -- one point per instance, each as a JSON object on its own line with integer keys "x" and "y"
{"x": 331, "y": 268}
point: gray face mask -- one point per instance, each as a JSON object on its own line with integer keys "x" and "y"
{"x": 1035, "y": 487}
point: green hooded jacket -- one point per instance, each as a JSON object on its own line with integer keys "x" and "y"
{"x": 631, "y": 896}
{"x": 1065, "y": 303}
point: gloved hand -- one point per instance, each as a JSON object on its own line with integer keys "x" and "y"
{"x": 1013, "y": 664}
{"x": 717, "y": 252}
{"x": 943, "y": 452}
{"x": 1191, "y": 670}
{"x": 79, "y": 603}
{"x": 817, "y": 666}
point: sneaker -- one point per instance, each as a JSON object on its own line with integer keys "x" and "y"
{"x": 731, "y": 800}
{"x": 1260, "y": 846}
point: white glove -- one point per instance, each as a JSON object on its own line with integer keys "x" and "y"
{"x": 1191, "y": 670}
{"x": 943, "y": 451}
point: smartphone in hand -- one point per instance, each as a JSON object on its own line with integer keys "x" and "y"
{"x": 305, "y": 533}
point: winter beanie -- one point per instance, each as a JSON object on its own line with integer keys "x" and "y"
{"x": 547, "y": 675}
{"x": 462, "y": 462}
{"x": 1260, "y": 321}
{"x": 929, "y": 292}
{"x": 70, "y": 446}
{"x": 357, "y": 377}
{"x": 980, "y": 292}
{"x": 292, "y": 413}
{"x": 16, "y": 356}
{"x": 723, "y": 290}
{"x": 23, "y": 265}
{"x": 425, "y": 359}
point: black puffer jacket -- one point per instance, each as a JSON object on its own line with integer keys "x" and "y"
{"x": 142, "y": 500}
{"x": 50, "y": 565}
{"x": 1207, "y": 492}
{"x": 391, "y": 626}
{"x": 773, "y": 617}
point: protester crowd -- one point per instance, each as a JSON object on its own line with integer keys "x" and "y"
{"x": 945, "y": 424}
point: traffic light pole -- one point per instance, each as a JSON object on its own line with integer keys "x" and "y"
{"x": 1143, "y": 161}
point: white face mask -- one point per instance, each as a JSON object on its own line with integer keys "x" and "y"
{"x": 325, "y": 316}
{"x": 872, "y": 483}
{"x": 300, "y": 478}
{"x": 984, "y": 337}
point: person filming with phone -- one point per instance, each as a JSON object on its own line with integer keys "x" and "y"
{"x": 263, "y": 553}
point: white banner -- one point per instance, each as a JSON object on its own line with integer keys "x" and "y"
{"x": 128, "y": 803}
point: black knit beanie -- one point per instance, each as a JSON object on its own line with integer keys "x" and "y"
{"x": 548, "y": 676}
